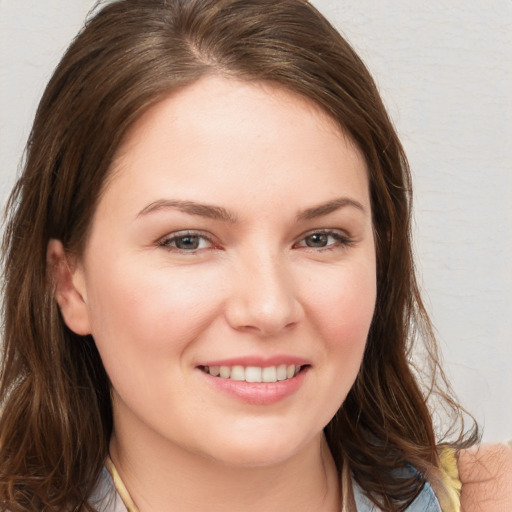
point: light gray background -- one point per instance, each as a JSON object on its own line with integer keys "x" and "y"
{"x": 444, "y": 69}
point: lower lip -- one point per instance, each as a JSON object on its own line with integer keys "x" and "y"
{"x": 258, "y": 393}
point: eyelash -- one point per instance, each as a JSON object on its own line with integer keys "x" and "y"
{"x": 340, "y": 240}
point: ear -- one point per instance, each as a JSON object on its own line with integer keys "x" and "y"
{"x": 69, "y": 287}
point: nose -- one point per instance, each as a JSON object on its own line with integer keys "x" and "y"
{"x": 263, "y": 298}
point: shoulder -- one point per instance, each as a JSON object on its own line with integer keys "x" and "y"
{"x": 486, "y": 476}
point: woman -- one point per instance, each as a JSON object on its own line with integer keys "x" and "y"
{"x": 209, "y": 280}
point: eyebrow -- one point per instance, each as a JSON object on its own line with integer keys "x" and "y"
{"x": 190, "y": 207}
{"x": 329, "y": 207}
{"x": 220, "y": 213}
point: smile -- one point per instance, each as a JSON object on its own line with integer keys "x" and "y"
{"x": 254, "y": 373}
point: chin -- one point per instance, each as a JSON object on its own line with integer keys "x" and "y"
{"x": 264, "y": 449}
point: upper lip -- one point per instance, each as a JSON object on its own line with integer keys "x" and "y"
{"x": 258, "y": 361}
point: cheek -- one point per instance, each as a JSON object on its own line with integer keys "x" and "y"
{"x": 152, "y": 311}
{"x": 344, "y": 306}
{"x": 342, "y": 312}
{"x": 144, "y": 327}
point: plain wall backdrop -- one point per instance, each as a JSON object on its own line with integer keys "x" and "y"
{"x": 444, "y": 69}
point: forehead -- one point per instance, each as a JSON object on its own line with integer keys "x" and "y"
{"x": 246, "y": 99}
{"x": 221, "y": 133}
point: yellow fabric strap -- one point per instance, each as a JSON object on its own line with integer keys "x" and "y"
{"x": 120, "y": 487}
{"x": 450, "y": 498}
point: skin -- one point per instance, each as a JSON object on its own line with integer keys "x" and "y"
{"x": 286, "y": 270}
{"x": 486, "y": 476}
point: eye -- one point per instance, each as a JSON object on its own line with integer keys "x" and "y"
{"x": 186, "y": 241}
{"x": 327, "y": 239}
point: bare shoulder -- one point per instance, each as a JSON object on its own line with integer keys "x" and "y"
{"x": 486, "y": 476}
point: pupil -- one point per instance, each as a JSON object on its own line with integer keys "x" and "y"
{"x": 317, "y": 240}
{"x": 187, "y": 242}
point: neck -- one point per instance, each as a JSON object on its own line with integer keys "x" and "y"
{"x": 162, "y": 478}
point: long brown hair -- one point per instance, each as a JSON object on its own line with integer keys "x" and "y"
{"x": 57, "y": 414}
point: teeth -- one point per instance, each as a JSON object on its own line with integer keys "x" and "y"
{"x": 281, "y": 372}
{"x": 225, "y": 372}
{"x": 269, "y": 374}
{"x": 237, "y": 373}
{"x": 254, "y": 373}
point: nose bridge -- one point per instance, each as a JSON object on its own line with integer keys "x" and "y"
{"x": 263, "y": 298}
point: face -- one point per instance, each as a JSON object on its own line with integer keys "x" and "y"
{"x": 229, "y": 276}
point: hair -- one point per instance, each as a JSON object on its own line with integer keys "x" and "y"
{"x": 55, "y": 394}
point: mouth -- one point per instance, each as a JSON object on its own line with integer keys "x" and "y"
{"x": 255, "y": 374}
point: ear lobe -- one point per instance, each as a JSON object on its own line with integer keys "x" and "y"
{"x": 69, "y": 288}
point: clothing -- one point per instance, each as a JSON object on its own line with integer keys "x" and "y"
{"x": 112, "y": 496}
{"x": 426, "y": 501}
